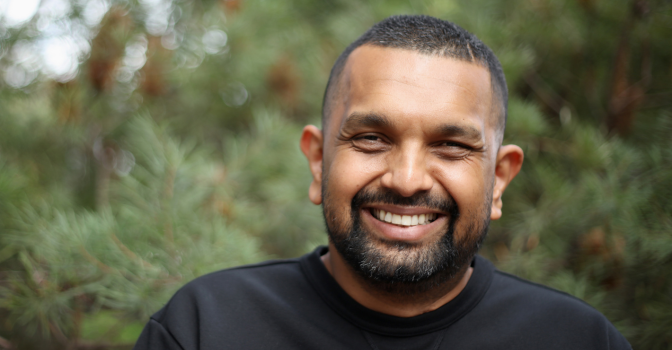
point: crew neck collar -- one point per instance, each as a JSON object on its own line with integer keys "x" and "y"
{"x": 332, "y": 294}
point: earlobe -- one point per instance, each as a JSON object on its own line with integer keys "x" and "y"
{"x": 311, "y": 146}
{"x": 509, "y": 162}
{"x": 496, "y": 210}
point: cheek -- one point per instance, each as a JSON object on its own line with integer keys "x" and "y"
{"x": 349, "y": 172}
{"x": 466, "y": 183}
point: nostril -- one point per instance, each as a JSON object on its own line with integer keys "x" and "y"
{"x": 407, "y": 183}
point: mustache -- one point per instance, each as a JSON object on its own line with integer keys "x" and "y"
{"x": 420, "y": 199}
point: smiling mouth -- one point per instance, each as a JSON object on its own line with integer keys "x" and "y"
{"x": 403, "y": 220}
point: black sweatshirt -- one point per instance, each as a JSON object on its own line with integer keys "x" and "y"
{"x": 296, "y": 304}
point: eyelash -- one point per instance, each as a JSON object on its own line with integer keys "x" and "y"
{"x": 368, "y": 137}
{"x": 454, "y": 144}
{"x": 373, "y": 139}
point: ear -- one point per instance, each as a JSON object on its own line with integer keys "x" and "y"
{"x": 509, "y": 161}
{"x": 311, "y": 146}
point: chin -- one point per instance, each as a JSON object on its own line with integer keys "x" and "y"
{"x": 400, "y": 267}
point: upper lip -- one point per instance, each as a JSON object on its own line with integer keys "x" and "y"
{"x": 402, "y": 210}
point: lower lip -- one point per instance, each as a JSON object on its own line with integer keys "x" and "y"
{"x": 409, "y": 234}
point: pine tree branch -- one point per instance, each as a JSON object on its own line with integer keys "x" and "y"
{"x": 106, "y": 269}
{"x": 76, "y": 345}
{"x": 166, "y": 198}
{"x": 168, "y": 230}
{"x": 58, "y": 334}
{"x": 545, "y": 93}
{"x": 102, "y": 185}
{"x": 124, "y": 249}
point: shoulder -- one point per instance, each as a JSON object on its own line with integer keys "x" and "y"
{"x": 231, "y": 291}
{"x": 516, "y": 291}
{"x": 515, "y": 295}
{"x": 237, "y": 282}
{"x": 231, "y": 299}
{"x": 263, "y": 272}
{"x": 517, "y": 306}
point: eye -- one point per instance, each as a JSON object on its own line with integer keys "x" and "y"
{"x": 370, "y": 138}
{"x": 369, "y": 143}
{"x": 452, "y": 150}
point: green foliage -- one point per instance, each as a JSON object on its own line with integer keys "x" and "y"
{"x": 159, "y": 230}
{"x": 267, "y": 178}
{"x": 122, "y": 184}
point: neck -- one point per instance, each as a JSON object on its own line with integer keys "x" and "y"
{"x": 385, "y": 300}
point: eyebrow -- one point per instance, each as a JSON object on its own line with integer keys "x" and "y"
{"x": 467, "y": 131}
{"x": 373, "y": 120}
{"x": 358, "y": 120}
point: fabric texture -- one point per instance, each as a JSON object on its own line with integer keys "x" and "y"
{"x": 296, "y": 304}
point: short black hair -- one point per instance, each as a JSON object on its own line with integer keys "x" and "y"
{"x": 430, "y": 36}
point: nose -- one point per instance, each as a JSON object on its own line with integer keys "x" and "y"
{"x": 407, "y": 171}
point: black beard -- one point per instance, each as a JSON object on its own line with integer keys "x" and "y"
{"x": 414, "y": 269}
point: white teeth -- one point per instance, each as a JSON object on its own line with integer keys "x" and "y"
{"x": 404, "y": 220}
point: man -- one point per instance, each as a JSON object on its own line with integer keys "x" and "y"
{"x": 410, "y": 170}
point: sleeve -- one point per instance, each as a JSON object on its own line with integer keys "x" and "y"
{"x": 156, "y": 337}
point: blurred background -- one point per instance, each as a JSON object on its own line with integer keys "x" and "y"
{"x": 147, "y": 142}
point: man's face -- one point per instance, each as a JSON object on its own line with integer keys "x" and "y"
{"x": 408, "y": 168}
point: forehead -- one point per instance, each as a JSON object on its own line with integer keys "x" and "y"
{"x": 408, "y": 86}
